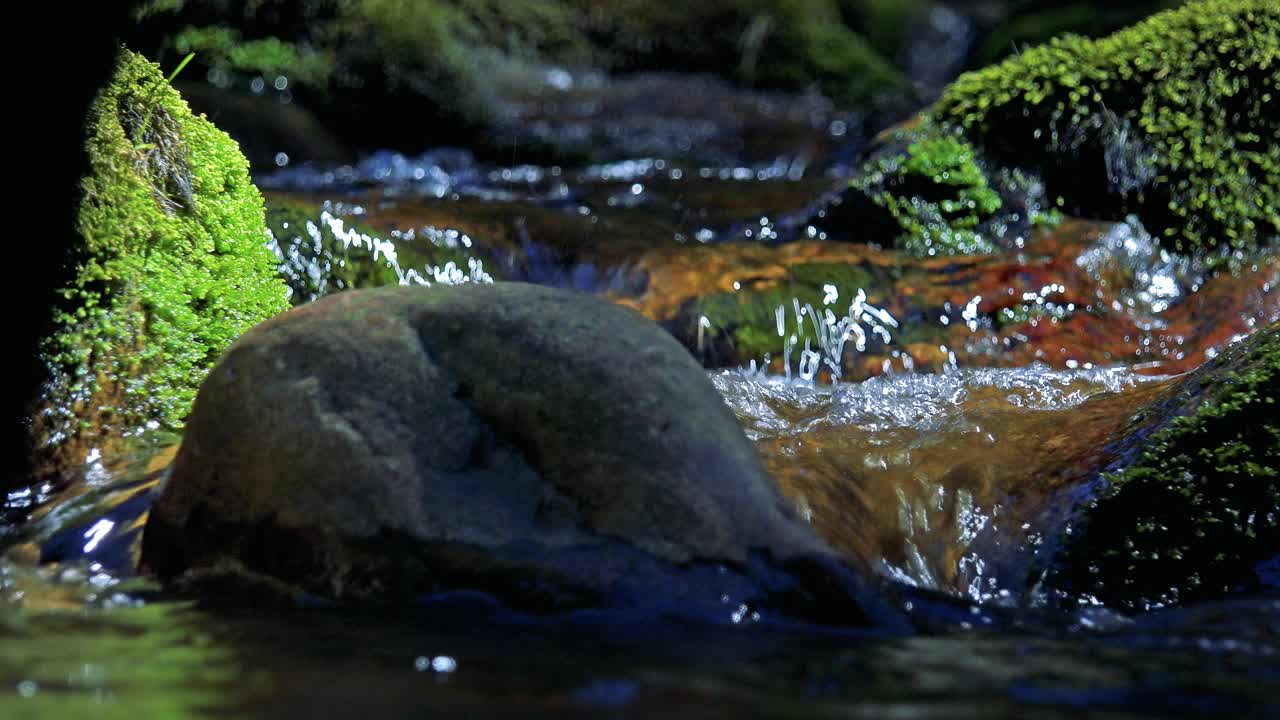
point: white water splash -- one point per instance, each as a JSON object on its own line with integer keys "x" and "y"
{"x": 317, "y": 265}
{"x": 830, "y": 332}
{"x": 923, "y": 452}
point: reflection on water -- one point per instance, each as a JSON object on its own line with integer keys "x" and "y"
{"x": 150, "y": 661}
{"x": 170, "y": 660}
{"x": 949, "y": 481}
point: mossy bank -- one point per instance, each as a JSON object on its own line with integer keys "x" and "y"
{"x": 173, "y": 266}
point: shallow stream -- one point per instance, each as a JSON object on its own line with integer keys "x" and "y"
{"x": 977, "y": 398}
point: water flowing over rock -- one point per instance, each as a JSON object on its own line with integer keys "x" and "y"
{"x": 548, "y": 447}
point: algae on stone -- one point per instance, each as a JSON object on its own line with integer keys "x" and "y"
{"x": 1199, "y": 507}
{"x": 172, "y": 267}
{"x": 937, "y": 194}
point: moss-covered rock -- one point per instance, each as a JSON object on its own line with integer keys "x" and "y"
{"x": 1195, "y": 511}
{"x": 174, "y": 265}
{"x": 1032, "y": 22}
{"x": 1172, "y": 118}
{"x": 1169, "y": 119}
{"x": 925, "y": 190}
{"x": 951, "y": 196}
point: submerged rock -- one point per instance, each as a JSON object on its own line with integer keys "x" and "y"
{"x": 945, "y": 481}
{"x": 1192, "y": 510}
{"x": 551, "y": 448}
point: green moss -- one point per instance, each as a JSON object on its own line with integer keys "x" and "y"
{"x": 173, "y": 266}
{"x": 1032, "y": 24}
{"x": 941, "y": 200}
{"x": 1173, "y": 118}
{"x": 1192, "y": 515}
{"x": 936, "y": 193}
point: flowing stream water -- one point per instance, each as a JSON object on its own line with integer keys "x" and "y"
{"x": 977, "y": 398}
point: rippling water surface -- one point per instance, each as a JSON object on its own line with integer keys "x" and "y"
{"x": 948, "y": 481}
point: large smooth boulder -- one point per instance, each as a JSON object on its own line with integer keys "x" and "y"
{"x": 547, "y": 447}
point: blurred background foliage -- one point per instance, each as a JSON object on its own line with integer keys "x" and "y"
{"x": 324, "y": 79}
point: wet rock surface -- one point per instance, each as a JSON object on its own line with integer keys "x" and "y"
{"x": 385, "y": 444}
{"x": 1187, "y": 510}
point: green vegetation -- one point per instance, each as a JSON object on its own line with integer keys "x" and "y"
{"x": 1173, "y": 118}
{"x": 454, "y": 52}
{"x": 151, "y": 104}
{"x": 173, "y": 265}
{"x": 1033, "y": 22}
{"x": 438, "y": 52}
{"x": 1192, "y": 515}
{"x": 941, "y": 200}
{"x": 229, "y": 52}
{"x": 937, "y": 194}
